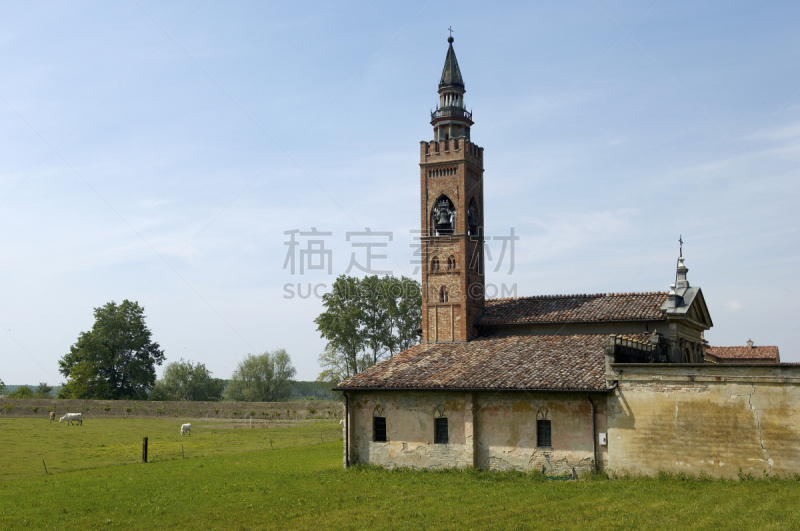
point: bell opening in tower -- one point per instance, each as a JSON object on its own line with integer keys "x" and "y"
{"x": 443, "y": 217}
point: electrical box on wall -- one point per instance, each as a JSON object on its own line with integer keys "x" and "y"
{"x": 603, "y": 440}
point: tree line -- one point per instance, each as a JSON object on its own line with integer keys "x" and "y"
{"x": 364, "y": 322}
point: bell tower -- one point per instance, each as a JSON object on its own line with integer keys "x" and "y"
{"x": 451, "y": 182}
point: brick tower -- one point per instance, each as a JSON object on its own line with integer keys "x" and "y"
{"x": 451, "y": 181}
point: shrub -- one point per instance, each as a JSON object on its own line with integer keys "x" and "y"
{"x": 161, "y": 410}
{"x": 35, "y": 409}
{"x": 216, "y": 410}
{"x": 8, "y": 407}
{"x": 252, "y": 413}
{"x": 312, "y": 411}
{"x": 128, "y": 409}
{"x": 107, "y": 408}
{"x": 265, "y": 413}
{"x": 277, "y": 414}
{"x": 236, "y": 412}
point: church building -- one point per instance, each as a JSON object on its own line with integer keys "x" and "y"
{"x": 563, "y": 384}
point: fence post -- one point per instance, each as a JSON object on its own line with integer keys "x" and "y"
{"x": 182, "y": 454}
{"x": 45, "y": 467}
{"x": 144, "y": 450}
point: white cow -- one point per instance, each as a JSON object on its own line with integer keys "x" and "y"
{"x": 186, "y": 429}
{"x": 69, "y": 417}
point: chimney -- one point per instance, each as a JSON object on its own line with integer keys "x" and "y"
{"x": 749, "y": 343}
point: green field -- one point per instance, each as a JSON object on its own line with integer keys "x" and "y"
{"x": 229, "y": 480}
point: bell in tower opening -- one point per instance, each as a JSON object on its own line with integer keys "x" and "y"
{"x": 443, "y": 216}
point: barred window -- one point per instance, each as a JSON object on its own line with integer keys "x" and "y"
{"x": 379, "y": 429}
{"x": 543, "y": 433}
{"x": 440, "y": 431}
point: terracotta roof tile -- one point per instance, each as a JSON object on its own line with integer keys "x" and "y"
{"x": 603, "y": 307}
{"x": 518, "y": 362}
{"x": 754, "y": 353}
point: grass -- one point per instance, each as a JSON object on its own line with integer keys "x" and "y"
{"x": 106, "y": 442}
{"x": 305, "y": 487}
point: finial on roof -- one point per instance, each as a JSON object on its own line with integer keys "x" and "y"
{"x": 680, "y": 273}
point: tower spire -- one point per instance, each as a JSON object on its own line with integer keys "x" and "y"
{"x": 451, "y": 74}
{"x": 451, "y": 119}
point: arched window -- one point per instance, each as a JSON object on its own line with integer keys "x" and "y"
{"x": 443, "y": 216}
{"x": 472, "y": 218}
{"x": 451, "y": 263}
{"x": 435, "y": 264}
{"x": 443, "y": 294}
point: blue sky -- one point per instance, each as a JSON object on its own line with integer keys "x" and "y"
{"x": 159, "y": 153}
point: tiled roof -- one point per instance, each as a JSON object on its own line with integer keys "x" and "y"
{"x": 602, "y": 307}
{"x": 743, "y": 353}
{"x": 518, "y": 362}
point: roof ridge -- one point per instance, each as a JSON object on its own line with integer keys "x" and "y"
{"x": 579, "y": 295}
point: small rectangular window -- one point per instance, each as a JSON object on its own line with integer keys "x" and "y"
{"x": 440, "y": 431}
{"x": 379, "y": 429}
{"x": 543, "y": 433}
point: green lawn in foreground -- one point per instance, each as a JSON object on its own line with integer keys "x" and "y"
{"x": 305, "y": 487}
{"x": 24, "y": 442}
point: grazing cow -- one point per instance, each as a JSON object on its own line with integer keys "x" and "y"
{"x": 70, "y": 417}
{"x": 52, "y": 415}
{"x": 186, "y": 429}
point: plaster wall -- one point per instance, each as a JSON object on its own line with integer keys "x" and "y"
{"x": 486, "y": 430}
{"x": 409, "y": 429}
{"x": 705, "y": 418}
{"x": 507, "y": 433}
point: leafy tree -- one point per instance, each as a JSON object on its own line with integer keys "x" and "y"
{"x": 116, "y": 359}
{"x": 184, "y": 381}
{"x": 3, "y": 388}
{"x": 406, "y": 297}
{"x": 22, "y": 392}
{"x": 365, "y": 321}
{"x": 376, "y": 317}
{"x": 262, "y": 378}
{"x": 341, "y": 325}
{"x": 44, "y": 391}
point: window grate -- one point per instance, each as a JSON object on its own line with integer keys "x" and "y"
{"x": 379, "y": 429}
{"x": 440, "y": 431}
{"x": 543, "y": 433}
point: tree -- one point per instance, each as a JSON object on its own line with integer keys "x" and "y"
{"x": 44, "y": 391}
{"x": 3, "y": 388}
{"x": 262, "y": 378}
{"x": 406, "y": 314}
{"x": 22, "y": 392}
{"x": 377, "y": 307}
{"x": 116, "y": 359}
{"x": 340, "y": 324}
{"x": 365, "y": 321}
{"x": 184, "y": 381}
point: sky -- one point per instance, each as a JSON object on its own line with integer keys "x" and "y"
{"x": 161, "y": 153}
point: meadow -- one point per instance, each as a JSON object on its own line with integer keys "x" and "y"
{"x": 231, "y": 480}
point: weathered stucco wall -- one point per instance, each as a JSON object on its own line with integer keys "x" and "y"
{"x": 507, "y": 433}
{"x": 409, "y": 429}
{"x": 486, "y": 430}
{"x": 705, "y": 418}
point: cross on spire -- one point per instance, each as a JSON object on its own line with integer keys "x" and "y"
{"x": 680, "y": 241}
{"x": 450, "y": 28}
